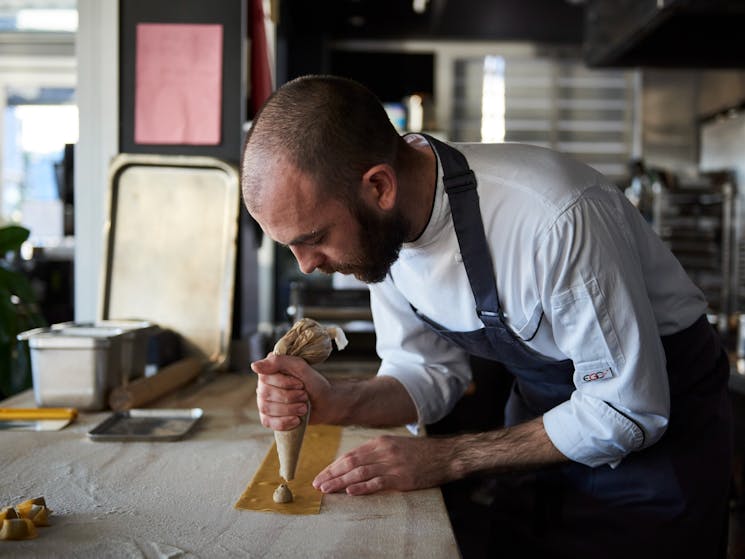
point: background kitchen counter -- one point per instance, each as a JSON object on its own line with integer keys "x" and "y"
{"x": 142, "y": 499}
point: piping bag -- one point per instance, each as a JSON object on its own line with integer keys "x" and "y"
{"x": 311, "y": 341}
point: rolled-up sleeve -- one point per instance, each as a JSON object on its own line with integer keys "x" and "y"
{"x": 433, "y": 371}
{"x": 595, "y": 299}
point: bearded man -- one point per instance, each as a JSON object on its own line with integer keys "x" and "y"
{"x": 618, "y": 422}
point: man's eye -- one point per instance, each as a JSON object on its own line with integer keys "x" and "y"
{"x": 317, "y": 241}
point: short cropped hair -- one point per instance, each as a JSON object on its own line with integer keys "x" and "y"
{"x": 330, "y": 128}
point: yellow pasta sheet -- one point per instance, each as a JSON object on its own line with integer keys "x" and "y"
{"x": 320, "y": 445}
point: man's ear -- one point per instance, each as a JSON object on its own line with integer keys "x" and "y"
{"x": 380, "y": 186}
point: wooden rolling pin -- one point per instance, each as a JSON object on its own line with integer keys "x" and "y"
{"x": 147, "y": 389}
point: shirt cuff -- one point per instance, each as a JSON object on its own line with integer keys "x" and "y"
{"x": 589, "y": 431}
{"x": 434, "y": 392}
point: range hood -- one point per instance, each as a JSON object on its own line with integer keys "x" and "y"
{"x": 665, "y": 33}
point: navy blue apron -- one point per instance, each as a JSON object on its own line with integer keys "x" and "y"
{"x": 669, "y": 500}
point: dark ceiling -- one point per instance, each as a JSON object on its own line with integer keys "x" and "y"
{"x": 551, "y": 21}
{"x": 618, "y": 33}
{"x": 307, "y": 30}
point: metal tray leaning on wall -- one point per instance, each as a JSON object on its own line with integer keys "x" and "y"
{"x": 170, "y": 246}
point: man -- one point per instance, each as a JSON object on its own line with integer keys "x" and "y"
{"x": 519, "y": 255}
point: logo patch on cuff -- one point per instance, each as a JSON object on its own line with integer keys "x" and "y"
{"x": 598, "y": 375}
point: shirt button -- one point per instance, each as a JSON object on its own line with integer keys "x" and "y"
{"x": 458, "y": 257}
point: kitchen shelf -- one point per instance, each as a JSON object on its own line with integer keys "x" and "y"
{"x": 695, "y": 219}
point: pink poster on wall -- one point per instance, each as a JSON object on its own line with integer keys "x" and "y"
{"x": 178, "y": 84}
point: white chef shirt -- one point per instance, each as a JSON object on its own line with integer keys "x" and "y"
{"x": 580, "y": 276}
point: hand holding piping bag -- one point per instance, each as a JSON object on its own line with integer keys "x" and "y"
{"x": 310, "y": 341}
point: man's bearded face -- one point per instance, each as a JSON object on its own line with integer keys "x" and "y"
{"x": 380, "y": 239}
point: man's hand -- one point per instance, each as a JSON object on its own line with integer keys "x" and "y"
{"x": 406, "y": 463}
{"x": 287, "y": 386}
{"x": 388, "y": 463}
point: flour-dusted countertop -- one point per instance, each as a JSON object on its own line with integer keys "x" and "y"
{"x": 175, "y": 499}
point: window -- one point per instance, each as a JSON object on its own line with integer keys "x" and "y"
{"x": 37, "y": 123}
{"x": 38, "y": 115}
{"x": 550, "y": 100}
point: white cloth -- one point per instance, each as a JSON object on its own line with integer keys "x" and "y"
{"x": 580, "y": 275}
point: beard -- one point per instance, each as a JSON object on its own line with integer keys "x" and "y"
{"x": 380, "y": 240}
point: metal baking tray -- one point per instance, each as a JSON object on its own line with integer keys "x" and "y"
{"x": 170, "y": 246}
{"x": 147, "y": 425}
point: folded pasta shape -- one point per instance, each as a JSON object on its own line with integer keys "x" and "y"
{"x": 17, "y": 529}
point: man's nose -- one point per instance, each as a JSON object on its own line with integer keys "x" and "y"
{"x": 307, "y": 258}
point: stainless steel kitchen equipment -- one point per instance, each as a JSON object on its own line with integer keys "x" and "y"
{"x": 135, "y": 336}
{"x": 169, "y": 260}
{"x": 147, "y": 425}
{"x": 696, "y": 219}
{"x": 75, "y": 366}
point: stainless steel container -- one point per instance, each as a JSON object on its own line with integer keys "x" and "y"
{"x": 135, "y": 335}
{"x": 75, "y": 366}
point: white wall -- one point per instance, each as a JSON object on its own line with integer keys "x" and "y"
{"x": 98, "y": 102}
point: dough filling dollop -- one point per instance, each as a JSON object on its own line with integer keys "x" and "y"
{"x": 283, "y": 494}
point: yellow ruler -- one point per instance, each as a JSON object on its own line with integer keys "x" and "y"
{"x": 37, "y": 413}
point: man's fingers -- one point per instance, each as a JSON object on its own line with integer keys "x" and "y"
{"x": 384, "y": 463}
{"x": 280, "y": 409}
{"x": 285, "y": 381}
{"x": 333, "y": 471}
{"x": 356, "y": 466}
{"x": 294, "y": 367}
{"x": 280, "y": 380}
{"x": 279, "y": 395}
{"x": 284, "y": 423}
{"x": 367, "y": 487}
{"x": 264, "y": 367}
{"x": 364, "y": 479}
{"x": 273, "y": 409}
{"x": 281, "y": 401}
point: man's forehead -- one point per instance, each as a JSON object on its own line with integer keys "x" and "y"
{"x": 283, "y": 217}
{"x": 284, "y": 186}
{"x": 292, "y": 206}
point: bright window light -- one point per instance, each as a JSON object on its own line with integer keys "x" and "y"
{"x": 45, "y": 128}
{"x": 47, "y": 20}
{"x": 492, "y": 101}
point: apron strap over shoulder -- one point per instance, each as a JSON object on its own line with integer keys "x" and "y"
{"x": 460, "y": 186}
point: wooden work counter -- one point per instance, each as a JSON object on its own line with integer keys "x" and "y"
{"x": 169, "y": 499}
